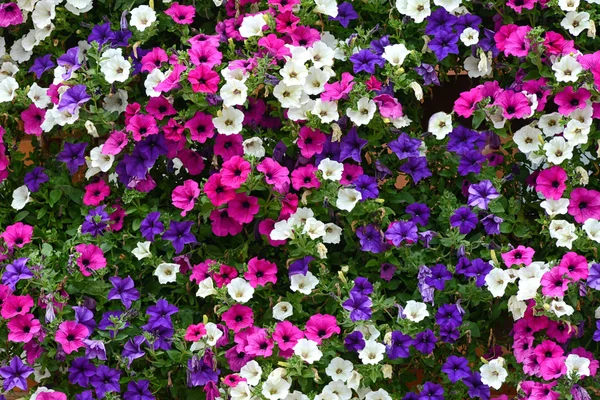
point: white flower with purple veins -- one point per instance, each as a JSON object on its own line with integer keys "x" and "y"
{"x": 480, "y": 194}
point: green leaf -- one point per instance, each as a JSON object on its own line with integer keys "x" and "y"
{"x": 55, "y": 196}
{"x": 20, "y": 216}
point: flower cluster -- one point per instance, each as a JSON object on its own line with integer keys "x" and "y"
{"x": 299, "y": 199}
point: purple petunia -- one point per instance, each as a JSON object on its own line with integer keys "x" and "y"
{"x": 464, "y": 219}
{"x": 179, "y": 234}
{"x": 480, "y": 194}
{"x": 346, "y": 14}
{"x": 151, "y": 226}
{"x": 73, "y": 155}
{"x": 124, "y": 290}
{"x": 41, "y": 65}
{"x": 365, "y": 61}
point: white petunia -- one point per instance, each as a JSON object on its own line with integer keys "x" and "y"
{"x": 449, "y": 5}
{"x": 560, "y": 308}
{"x": 315, "y": 82}
{"x": 240, "y": 290}
{"x": 308, "y": 351}
{"x": 327, "y": 7}
{"x": 469, "y": 36}
{"x": 38, "y": 96}
{"x": 331, "y": 169}
{"x": 99, "y": 160}
{"x": 415, "y": 311}
{"x": 577, "y": 365}
{"x": 372, "y": 353}
{"x": 327, "y": 111}
{"x": 18, "y": 53}
{"x": 576, "y": 132}
{"x": 418, "y": 10}
{"x": 364, "y": 113}
{"x": 252, "y": 372}
{"x": 44, "y": 13}
{"x": 339, "y": 369}
{"x": 276, "y": 389}
{"x": 321, "y": 54}
{"x": 288, "y": 96}
{"x": 294, "y": 73}
{"x": 234, "y": 93}
{"x": 166, "y": 272}
{"x": 142, "y": 250}
{"x": 493, "y": 373}
{"x": 152, "y": 80}
{"x": 516, "y": 307}
{"x": 254, "y": 147}
{"x": 558, "y": 150}
{"x": 550, "y": 124}
{"x": 213, "y": 333}
{"x": 347, "y": 199}
{"x": 116, "y": 69}
{"x": 142, "y": 17}
{"x": 576, "y": 22}
{"x": 206, "y": 287}
{"x": 395, "y": 54}
{"x": 314, "y": 228}
{"x": 592, "y": 228}
{"x": 116, "y": 102}
{"x": 333, "y": 233}
{"x": 20, "y": 197}
{"x": 303, "y": 283}
{"x": 252, "y": 26}
{"x": 567, "y": 69}
{"x": 528, "y": 139}
{"x": 555, "y": 207}
{"x": 229, "y": 121}
{"x": 282, "y": 230}
{"x": 440, "y": 125}
{"x": 496, "y": 281}
{"x": 8, "y": 87}
{"x": 282, "y": 310}
{"x": 568, "y": 5}
{"x": 241, "y": 391}
{"x": 379, "y": 394}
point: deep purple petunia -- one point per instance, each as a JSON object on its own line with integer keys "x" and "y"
{"x": 200, "y": 373}
{"x": 73, "y": 155}
{"x": 80, "y": 372}
{"x": 491, "y": 224}
{"x": 101, "y": 34}
{"x": 431, "y": 391}
{"x": 133, "y": 349}
{"x": 366, "y": 61}
{"x": 378, "y": 46}
{"x": 96, "y": 221}
{"x": 151, "y": 226}
{"x": 359, "y": 306}
{"x": 15, "y": 374}
{"x": 362, "y": 286}
{"x": 300, "y": 266}
{"x": 346, "y": 14}
{"x": 448, "y": 314}
{"x": 445, "y": 42}
{"x": 387, "y": 271}
{"x": 464, "y": 219}
{"x": 73, "y": 98}
{"x": 402, "y": 231}
{"x": 35, "y": 178}
{"x": 367, "y": 186}
{"x": 16, "y": 271}
{"x": 405, "y": 146}
{"x": 371, "y": 239}
{"x": 425, "y": 341}
{"x": 428, "y": 73}
{"x": 41, "y": 65}
{"x": 417, "y": 168}
{"x": 85, "y": 316}
{"x": 139, "y": 390}
{"x": 351, "y": 145}
{"x": 124, "y": 290}
{"x": 467, "y": 20}
{"x": 462, "y": 139}
{"x": 70, "y": 61}
{"x": 354, "y": 341}
{"x": 440, "y": 20}
{"x": 476, "y": 387}
{"x": 420, "y": 213}
{"x": 593, "y": 279}
{"x": 179, "y": 234}
{"x": 399, "y": 346}
{"x": 456, "y": 368}
{"x": 105, "y": 380}
{"x": 439, "y": 276}
{"x": 478, "y": 270}
{"x": 160, "y": 313}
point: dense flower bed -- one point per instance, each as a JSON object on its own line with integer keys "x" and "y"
{"x": 250, "y": 199}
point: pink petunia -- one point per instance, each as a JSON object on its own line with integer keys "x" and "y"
{"x": 16, "y": 305}
{"x": 154, "y": 59}
{"x": 22, "y": 328}
{"x": 576, "y": 266}
{"x": 260, "y": 272}
{"x": 238, "y": 317}
{"x": 205, "y": 54}
{"x": 217, "y": 191}
{"x": 338, "y": 90}
{"x": 275, "y": 174}
{"x": 91, "y": 258}
{"x": 142, "y": 126}
{"x": 235, "y": 171}
{"x": 223, "y": 225}
{"x": 96, "y": 193}
{"x": 514, "y": 104}
{"x": 194, "y": 333}
{"x": 286, "y": 335}
{"x": 520, "y": 256}
{"x": 305, "y": 177}
{"x": 467, "y": 102}
{"x": 265, "y": 227}
{"x": 310, "y": 141}
{"x": 115, "y": 143}
{"x": 555, "y": 283}
{"x": 17, "y": 235}
{"x": 518, "y": 44}
{"x": 243, "y": 208}
{"x": 203, "y": 79}
{"x": 70, "y": 336}
{"x": 551, "y": 182}
{"x": 183, "y": 15}
{"x": 389, "y": 107}
{"x": 584, "y": 204}
{"x": 184, "y": 196}
{"x": 33, "y": 118}
{"x": 569, "y": 100}
{"x": 321, "y": 326}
